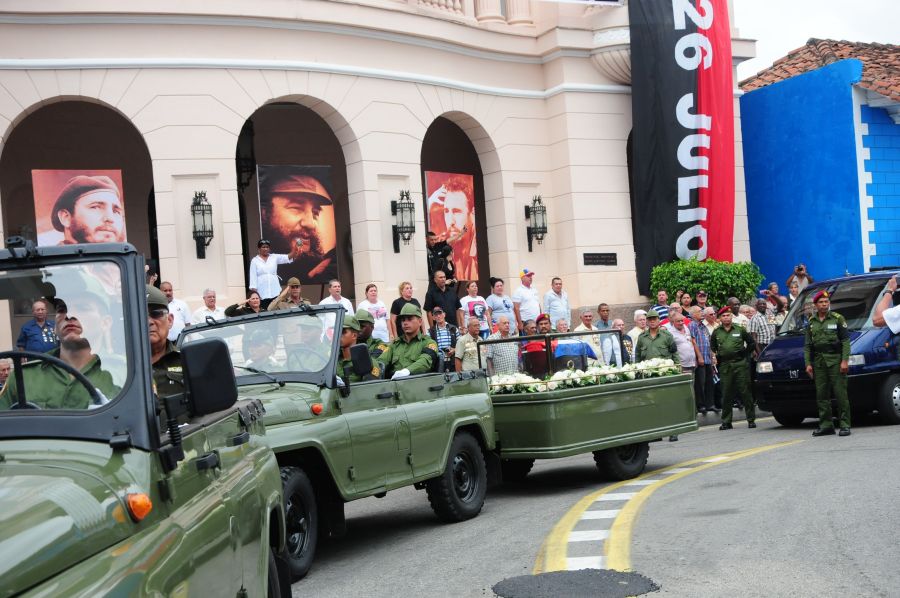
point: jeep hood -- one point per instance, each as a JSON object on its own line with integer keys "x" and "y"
{"x": 289, "y": 403}
{"x": 53, "y": 516}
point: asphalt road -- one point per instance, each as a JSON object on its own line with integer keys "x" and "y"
{"x": 813, "y": 518}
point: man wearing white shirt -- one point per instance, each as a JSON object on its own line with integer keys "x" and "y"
{"x": 556, "y": 302}
{"x": 526, "y": 301}
{"x": 334, "y": 298}
{"x": 587, "y": 324}
{"x": 180, "y": 311}
{"x": 209, "y": 309}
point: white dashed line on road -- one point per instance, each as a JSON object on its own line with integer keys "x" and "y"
{"x": 589, "y": 536}
{"x": 585, "y": 562}
{"x": 607, "y": 514}
{"x": 616, "y": 496}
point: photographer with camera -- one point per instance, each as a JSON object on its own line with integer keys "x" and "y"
{"x": 445, "y": 335}
{"x": 800, "y": 276}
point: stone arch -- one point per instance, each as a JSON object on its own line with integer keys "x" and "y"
{"x": 328, "y": 141}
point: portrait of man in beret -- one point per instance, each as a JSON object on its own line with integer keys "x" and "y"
{"x": 85, "y": 207}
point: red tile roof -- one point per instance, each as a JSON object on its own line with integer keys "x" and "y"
{"x": 881, "y": 65}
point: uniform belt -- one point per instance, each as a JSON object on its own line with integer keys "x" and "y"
{"x": 828, "y": 349}
{"x": 733, "y": 359}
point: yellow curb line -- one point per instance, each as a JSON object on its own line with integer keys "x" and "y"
{"x": 552, "y": 554}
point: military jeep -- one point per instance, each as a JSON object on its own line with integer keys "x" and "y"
{"x": 105, "y": 488}
{"x": 337, "y": 440}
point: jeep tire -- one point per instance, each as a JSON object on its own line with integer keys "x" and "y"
{"x": 458, "y": 493}
{"x": 515, "y": 470}
{"x": 622, "y": 462}
{"x": 889, "y": 400}
{"x": 273, "y": 581}
{"x": 788, "y": 420}
{"x": 301, "y": 516}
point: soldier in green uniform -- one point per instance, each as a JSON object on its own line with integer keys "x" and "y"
{"x": 306, "y": 350}
{"x": 826, "y": 351}
{"x": 366, "y": 326}
{"x": 168, "y": 379}
{"x": 349, "y": 337}
{"x": 732, "y": 345}
{"x": 411, "y": 352}
{"x": 80, "y": 317}
{"x": 656, "y": 341}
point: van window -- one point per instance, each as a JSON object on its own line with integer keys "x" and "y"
{"x": 852, "y": 298}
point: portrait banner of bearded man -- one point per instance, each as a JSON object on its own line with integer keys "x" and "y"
{"x": 451, "y": 216}
{"x": 78, "y": 206}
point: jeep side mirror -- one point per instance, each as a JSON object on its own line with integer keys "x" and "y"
{"x": 208, "y": 376}
{"x": 362, "y": 361}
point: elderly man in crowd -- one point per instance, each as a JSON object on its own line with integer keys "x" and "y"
{"x": 627, "y": 345}
{"x": 38, "y": 334}
{"x": 209, "y": 309}
{"x": 502, "y": 358}
{"x": 640, "y": 325}
{"x": 467, "y": 347}
{"x": 703, "y": 375}
{"x": 290, "y": 296}
{"x": 587, "y": 325}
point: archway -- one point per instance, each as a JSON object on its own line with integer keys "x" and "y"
{"x": 448, "y": 150}
{"x": 292, "y": 142}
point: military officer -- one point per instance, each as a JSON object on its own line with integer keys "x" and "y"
{"x": 732, "y": 346}
{"x": 411, "y": 352}
{"x": 826, "y": 351}
{"x": 306, "y": 352}
{"x": 656, "y": 341}
{"x": 349, "y": 337}
{"x": 165, "y": 359}
{"x": 366, "y": 326}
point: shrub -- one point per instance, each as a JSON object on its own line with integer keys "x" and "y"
{"x": 720, "y": 280}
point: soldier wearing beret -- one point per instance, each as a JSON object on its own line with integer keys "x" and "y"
{"x": 826, "y": 351}
{"x": 732, "y": 346}
{"x": 89, "y": 210}
{"x": 656, "y": 341}
{"x": 411, "y": 352}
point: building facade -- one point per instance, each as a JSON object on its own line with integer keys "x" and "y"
{"x": 530, "y": 98}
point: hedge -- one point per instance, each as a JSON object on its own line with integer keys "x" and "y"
{"x": 720, "y": 280}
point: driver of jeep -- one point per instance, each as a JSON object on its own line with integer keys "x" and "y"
{"x": 78, "y": 318}
{"x": 310, "y": 354}
{"x": 259, "y": 352}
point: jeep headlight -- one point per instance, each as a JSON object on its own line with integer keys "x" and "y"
{"x": 857, "y": 360}
{"x": 764, "y": 367}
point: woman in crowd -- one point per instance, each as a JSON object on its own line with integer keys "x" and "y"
{"x": 473, "y": 305}
{"x": 264, "y": 270}
{"x": 379, "y": 312}
{"x": 406, "y": 296}
{"x": 793, "y": 292}
{"x": 500, "y": 304}
{"x": 251, "y": 305}
{"x": 686, "y": 302}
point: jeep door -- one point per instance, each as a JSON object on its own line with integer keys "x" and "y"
{"x": 379, "y": 433}
{"x": 422, "y": 398}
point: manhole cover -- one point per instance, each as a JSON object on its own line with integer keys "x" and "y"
{"x": 585, "y": 583}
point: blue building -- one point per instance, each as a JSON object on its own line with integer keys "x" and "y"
{"x": 821, "y": 146}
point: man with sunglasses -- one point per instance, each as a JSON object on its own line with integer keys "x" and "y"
{"x": 164, "y": 357}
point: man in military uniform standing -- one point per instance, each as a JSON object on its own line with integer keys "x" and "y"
{"x": 732, "y": 346}
{"x": 164, "y": 357}
{"x": 826, "y": 351}
{"x": 411, "y": 352}
{"x": 655, "y": 341}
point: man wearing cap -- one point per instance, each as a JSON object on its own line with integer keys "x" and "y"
{"x": 732, "y": 345}
{"x": 467, "y": 348}
{"x": 366, "y": 327}
{"x": 526, "y": 301}
{"x": 89, "y": 210}
{"x": 655, "y": 341}
{"x": 292, "y": 208}
{"x": 81, "y": 316}
{"x": 826, "y": 352}
{"x": 445, "y": 335}
{"x": 440, "y": 294}
{"x": 349, "y": 337}
{"x": 702, "y": 298}
{"x": 264, "y": 270}
{"x": 304, "y": 343}
{"x": 411, "y": 352}
{"x": 289, "y": 297}
{"x": 164, "y": 357}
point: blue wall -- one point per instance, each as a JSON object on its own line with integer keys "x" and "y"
{"x": 883, "y": 141}
{"x": 801, "y": 174}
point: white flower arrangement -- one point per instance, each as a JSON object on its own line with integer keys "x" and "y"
{"x": 595, "y": 374}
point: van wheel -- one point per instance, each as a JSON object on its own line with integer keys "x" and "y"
{"x": 515, "y": 470}
{"x": 622, "y": 462}
{"x": 273, "y": 583}
{"x": 788, "y": 421}
{"x": 301, "y": 520}
{"x": 889, "y": 400}
{"x": 458, "y": 493}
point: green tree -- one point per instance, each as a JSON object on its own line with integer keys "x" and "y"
{"x": 720, "y": 280}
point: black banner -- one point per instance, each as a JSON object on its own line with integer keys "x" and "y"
{"x": 658, "y": 83}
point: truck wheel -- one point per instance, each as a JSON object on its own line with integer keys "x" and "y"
{"x": 301, "y": 520}
{"x": 788, "y": 421}
{"x": 515, "y": 470}
{"x": 458, "y": 493}
{"x": 622, "y": 462}
{"x": 273, "y": 583}
{"x": 889, "y": 400}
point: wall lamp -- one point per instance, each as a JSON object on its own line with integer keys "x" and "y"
{"x": 536, "y": 215}
{"x": 201, "y": 215}
{"x": 405, "y": 213}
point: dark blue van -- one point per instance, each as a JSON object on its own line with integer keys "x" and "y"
{"x": 782, "y": 386}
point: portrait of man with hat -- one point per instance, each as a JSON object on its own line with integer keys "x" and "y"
{"x": 297, "y": 216}
{"x": 88, "y": 208}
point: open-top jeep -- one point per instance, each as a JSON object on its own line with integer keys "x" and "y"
{"x": 107, "y": 489}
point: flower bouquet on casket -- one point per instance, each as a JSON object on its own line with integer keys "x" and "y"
{"x": 595, "y": 374}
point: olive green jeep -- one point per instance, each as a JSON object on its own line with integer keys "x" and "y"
{"x": 339, "y": 440}
{"x": 106, "y": 489}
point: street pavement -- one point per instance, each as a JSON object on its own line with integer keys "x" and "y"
{"x": 813, "y": 518}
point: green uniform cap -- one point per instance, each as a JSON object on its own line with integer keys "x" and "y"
{"x": 351, "y": 322}
{"x": 363, "y": 315}
{"x": 652, "y": 314}
{"x": 310, "y": 322}
{"x": 156, "y": 298}
{"x": 410, "y": 309}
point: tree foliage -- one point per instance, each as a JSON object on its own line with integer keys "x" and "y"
{"x": 720, "y": 280}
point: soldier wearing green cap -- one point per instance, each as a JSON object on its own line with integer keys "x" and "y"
{"x": 366, "y": 327}
{"x": 732, "y": 345}
{"x": 168, "y": 378}
{"x": 349, "y": 337}
{"x": 826, "y": 351}
{"x": 655, "y": 341}
{"x": 306, "y": 350}
{"x": 411, "y": 352}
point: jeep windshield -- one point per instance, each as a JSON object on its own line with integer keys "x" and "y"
{"x": 65, "y": 337}
{"x": 276, "y": 347}
{"x": 853, "y": 298}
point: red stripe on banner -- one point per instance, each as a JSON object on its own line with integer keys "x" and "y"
{"x": 715, "y": 90}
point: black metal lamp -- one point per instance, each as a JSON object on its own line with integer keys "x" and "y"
{"x": 201, "y": 215}
{"x": 405, "y": 213}
{"x": 536, "y": 215}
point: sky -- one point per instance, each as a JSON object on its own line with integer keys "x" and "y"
{"x": 780, "y": 26}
